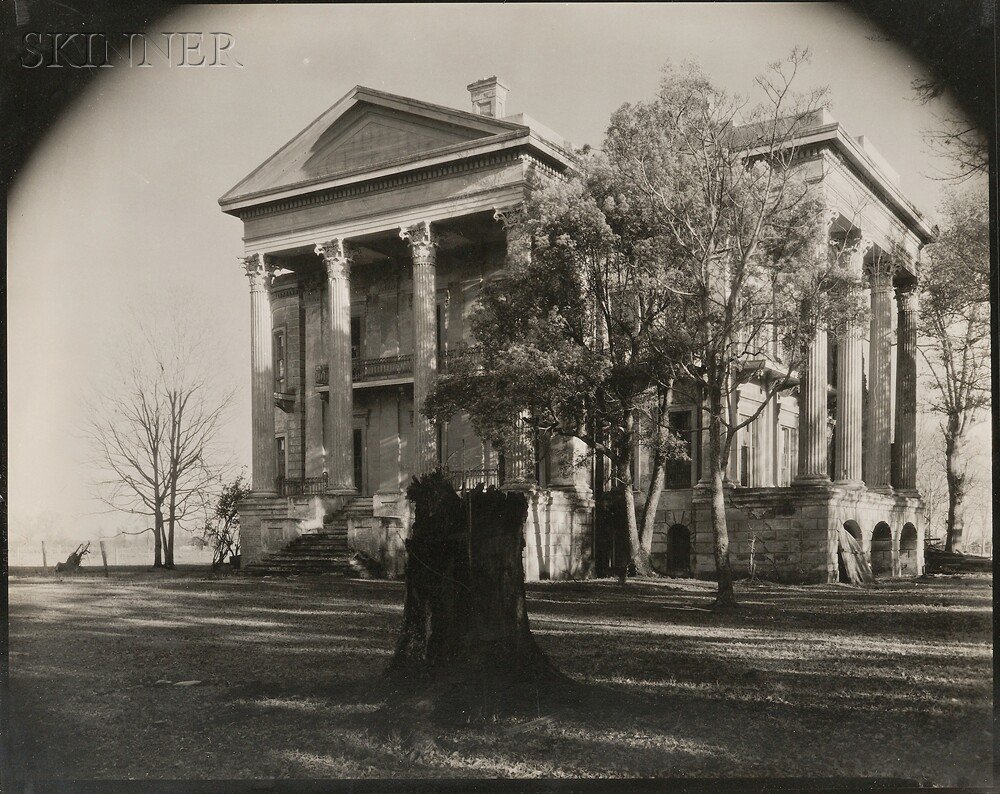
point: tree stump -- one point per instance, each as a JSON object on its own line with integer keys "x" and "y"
{"x": 465, "y": 644}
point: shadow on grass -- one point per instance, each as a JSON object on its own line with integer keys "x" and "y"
{"x": 799, "y": 681}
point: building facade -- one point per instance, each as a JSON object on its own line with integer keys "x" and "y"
{"x": 367, "y": 239}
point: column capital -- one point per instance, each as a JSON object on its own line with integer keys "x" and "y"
{"x": 908, "y": 298}
{"x": 259, "y": 269}
{"x": 882, "y": 271}
{"x": 860, "y": 246}
{"x": 506, "y": 215}
{"x": 335, "y": 257}
{"x": 422, "y": 240}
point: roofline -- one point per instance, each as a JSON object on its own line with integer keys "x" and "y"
{"x": 362, "y": 93}
{"x": 835, "y": 133}
{"x": 461, "y": 151}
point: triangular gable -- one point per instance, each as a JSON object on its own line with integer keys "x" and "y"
{"x": 363, "y": 131}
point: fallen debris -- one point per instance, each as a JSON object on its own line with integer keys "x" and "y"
{"x": 73, "y": 560}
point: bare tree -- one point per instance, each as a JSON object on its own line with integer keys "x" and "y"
{"x": 746, "y": 235}
{"x": 955, "y": 337}
{"x": 931, "y": 481}
{"x": 153, "y": 435}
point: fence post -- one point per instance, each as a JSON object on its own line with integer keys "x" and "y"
{"x": 104, "y": 557}
{"x": 45, "y": 563}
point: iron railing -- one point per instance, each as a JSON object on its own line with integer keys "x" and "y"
{"x": 301, "y": 486}
{"x": 363, "y": 369}
{"x": 384, "y": 367}
{"x": 470, "y": 478}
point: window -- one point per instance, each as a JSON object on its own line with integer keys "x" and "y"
{"x": 280, "y": 361}
{"x": 323, "y": 404}
{"x": 746, "y": 455}
{"x": 678, "y": 472}
{"x": 359, "y": 451}
{"x": 355, "y": 337}
{"x": 789, "y": 455}
{"x": 279, "y": 456}
{"x": 439, "y": 329}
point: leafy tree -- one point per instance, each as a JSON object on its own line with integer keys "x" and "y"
{"x": 222, "y": 530}
{"x": 713, "y": 179}
{"x": 955, "y": 336}
{"x": 562, "y": 340}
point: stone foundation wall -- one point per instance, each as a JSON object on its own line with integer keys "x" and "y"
{"x": 266, "y": 526}
{"x": 793, "y": 533}
{"x": 559, "y": 535}
{"x": 381, "y": 539}
{"x": 382, "y": 536}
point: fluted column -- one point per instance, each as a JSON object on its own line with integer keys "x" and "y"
{"x": 850, "y": 344}
{"x": 813, "y": 464}
{"x": 877, "y": 475}
{"x": 340, "y": 410}
{"x": 264, "y": 470}
{"x": 764, "y": 451}
{"x": 423, "y": 249}
{"x": 906, "y": 390}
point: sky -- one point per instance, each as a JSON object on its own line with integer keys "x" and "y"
{"x": 115, "y": 216}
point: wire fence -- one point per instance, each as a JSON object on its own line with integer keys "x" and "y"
{"x": 30, "y": 555}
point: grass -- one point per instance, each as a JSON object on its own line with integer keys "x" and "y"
{"x": 894, "y": 681}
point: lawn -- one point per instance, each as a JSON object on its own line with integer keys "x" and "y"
{"x": 893, "y": 681}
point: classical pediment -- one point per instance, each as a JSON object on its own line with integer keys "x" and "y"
{"x": 366, "y": 131}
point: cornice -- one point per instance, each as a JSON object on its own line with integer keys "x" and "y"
{"x": 386, "y": 183}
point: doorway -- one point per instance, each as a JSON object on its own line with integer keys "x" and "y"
{"x": 360, "y": 462}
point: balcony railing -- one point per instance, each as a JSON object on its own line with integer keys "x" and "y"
{"x": 470, "y": 478}
{"x": 384, "y": 368}
{"x": 304, "y": 486}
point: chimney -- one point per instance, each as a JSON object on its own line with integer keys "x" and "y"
{"x": 489, "y": 96}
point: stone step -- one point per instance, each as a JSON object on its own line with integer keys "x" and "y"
{"x": 332, "y": 545}
{"x": 297, "y": 571}
{"x": 324, "y": 552}
{"x": 302, "y": 564}
{"x": 280, "y": 561}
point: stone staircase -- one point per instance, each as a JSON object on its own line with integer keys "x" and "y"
{"x": 322, "y": 552}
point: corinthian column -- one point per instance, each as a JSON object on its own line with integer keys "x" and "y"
{"x": 847, "y": 443}
{"x": 906, "y": 390}
{"x": 264, "y": 471}
{"x": 813, "y": 464}
{"x": 340, "y": 411}
{"x": 877, "y": 474}
{"x": 423, "y": 249}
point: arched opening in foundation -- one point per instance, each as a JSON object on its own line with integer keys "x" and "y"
{"x": 851, "y": 564}
{"x": 882, "y": 550}
{"x": 908, "y": 551}
{"x": 678, "y": 550}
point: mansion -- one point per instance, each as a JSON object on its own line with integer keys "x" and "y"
{"x": 367, "y": 239}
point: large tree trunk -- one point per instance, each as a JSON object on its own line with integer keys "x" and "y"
{"x": 657, "y": 477}
{"x": 725, "y": 597}
{"x": 954, "y": 450}
{"x": 168, "y": 551}
{"x": 158, "y": 540}
{"x": 638, "y": 555}
{"x": 652, "y": 504}
{"x": 465, "y": 637}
